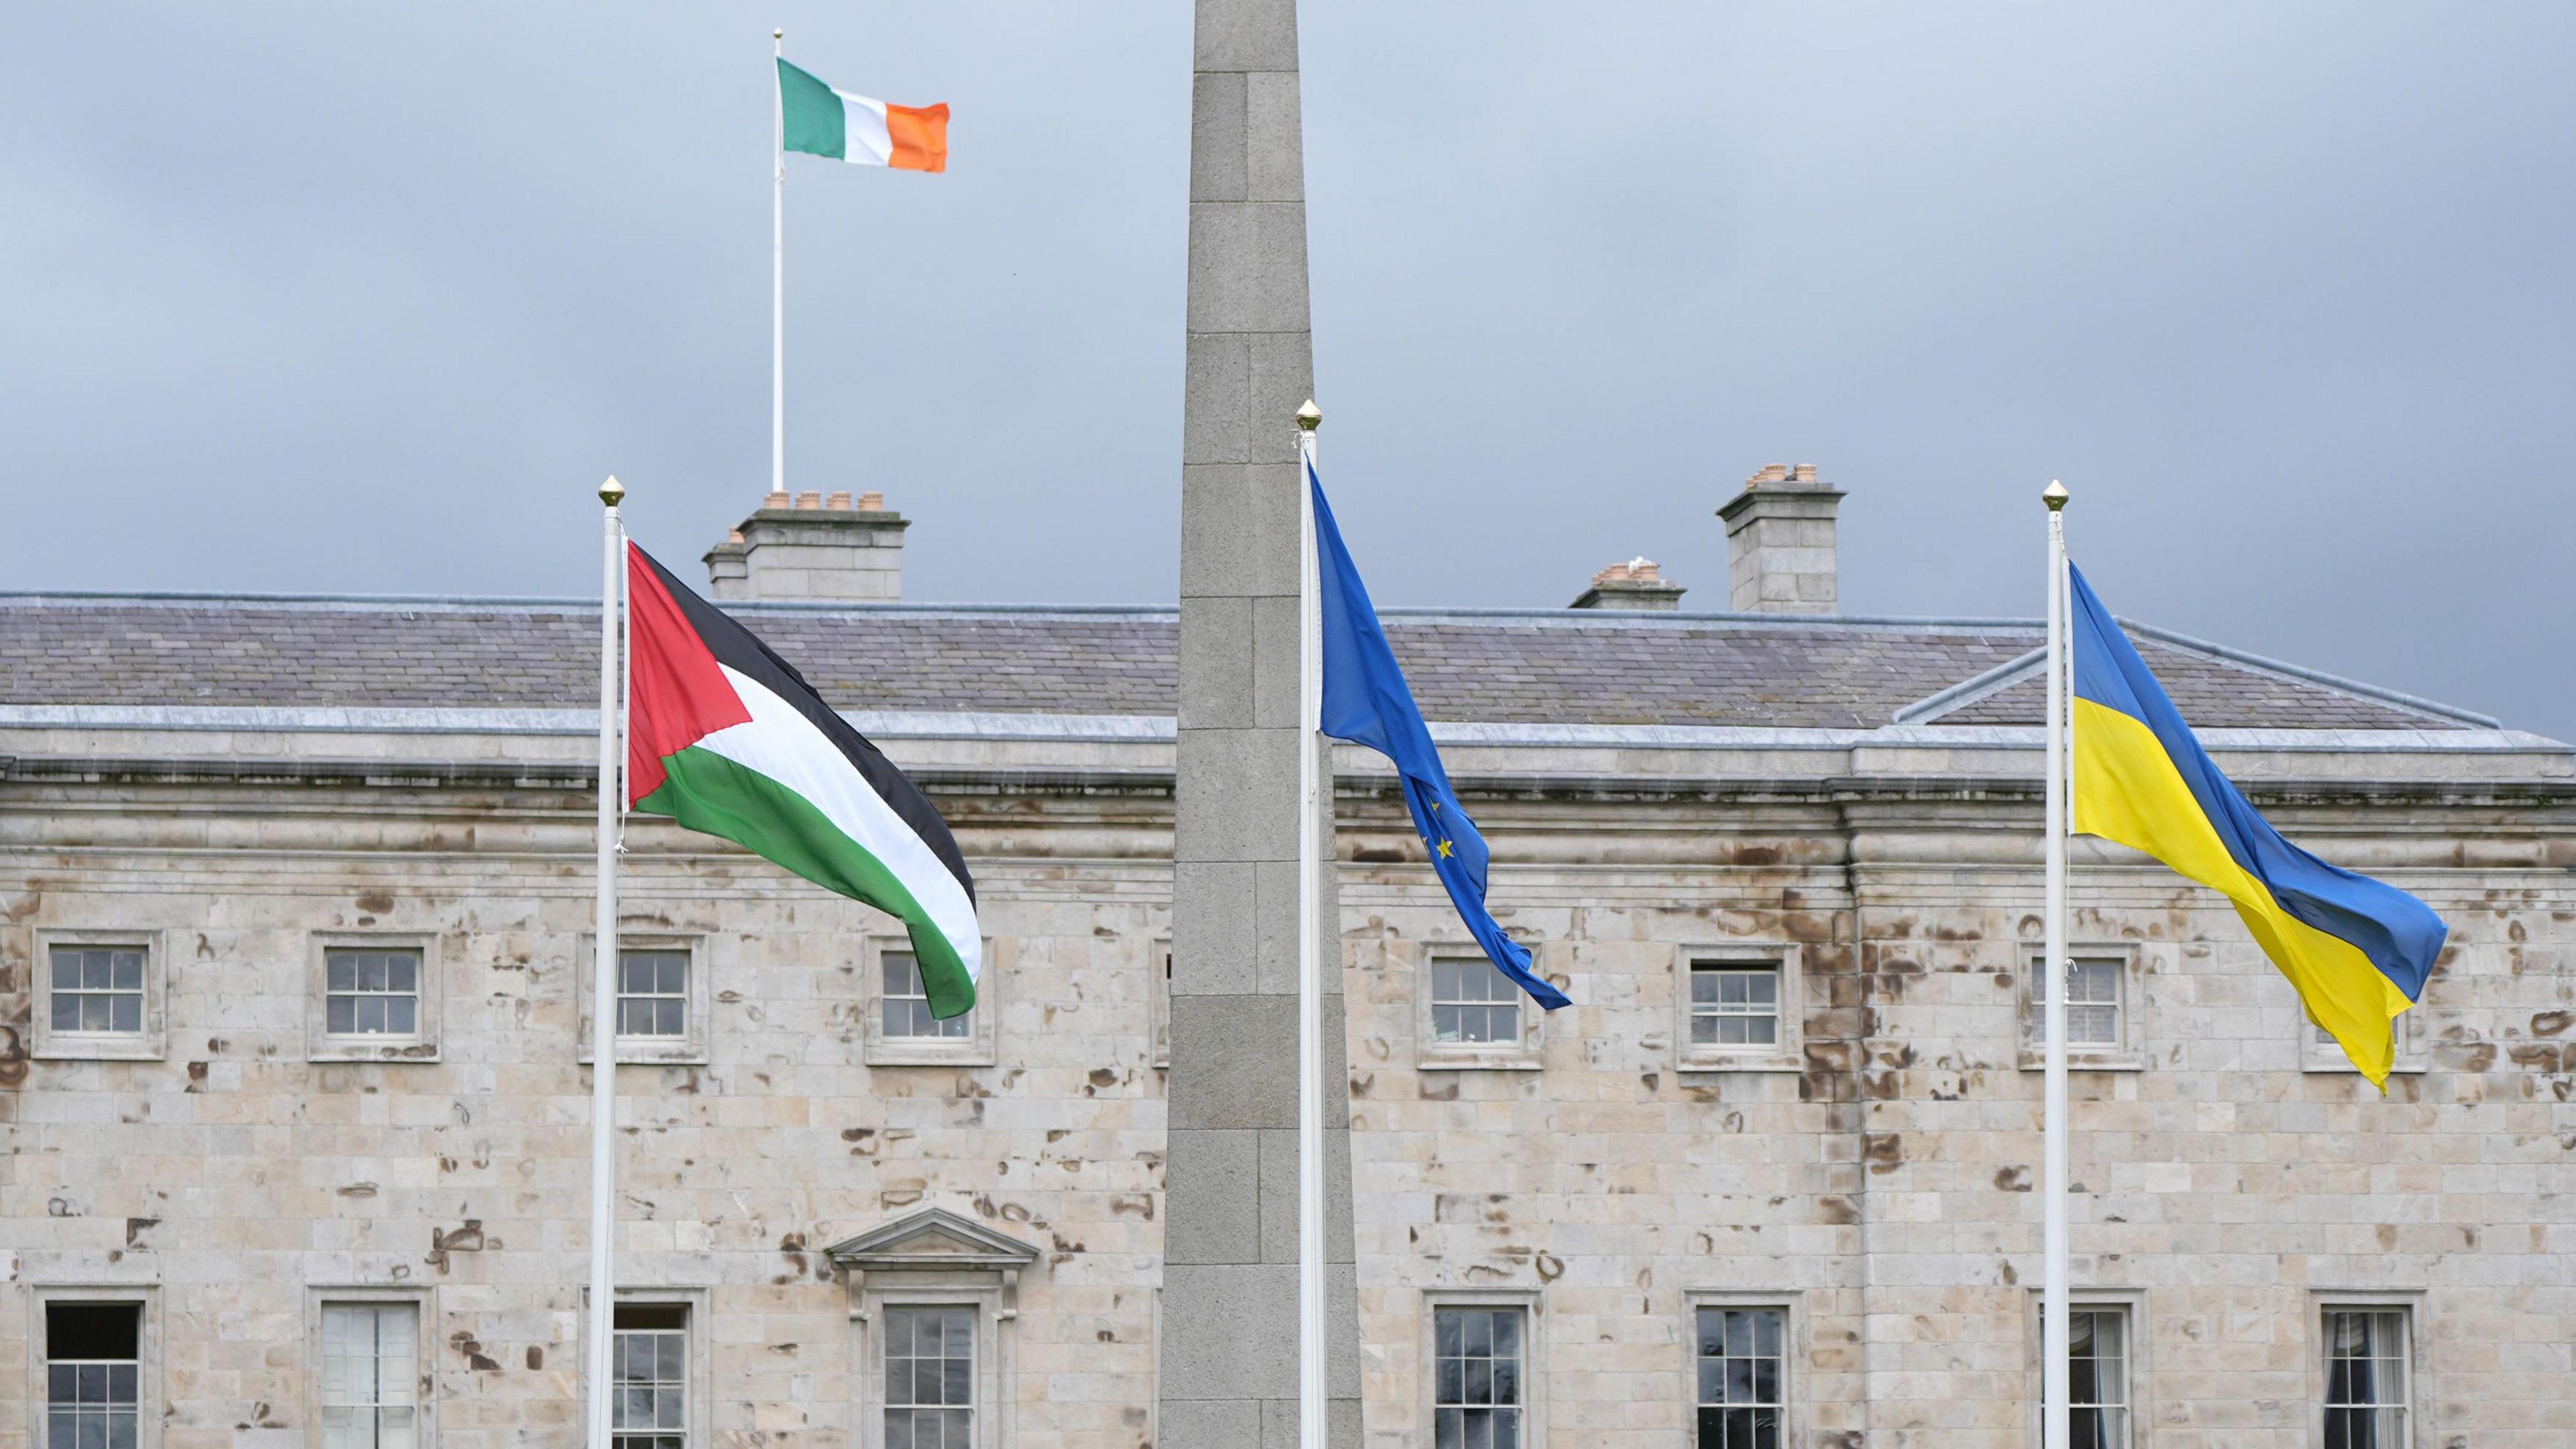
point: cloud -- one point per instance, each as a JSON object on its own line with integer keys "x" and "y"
{"x": 325, "y": 298}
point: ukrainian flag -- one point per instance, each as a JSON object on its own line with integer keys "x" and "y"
{"x": 2357, "y": 950}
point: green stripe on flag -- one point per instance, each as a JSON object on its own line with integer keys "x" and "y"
{"x": 710, "y": 793}
{"x": 810, "y": 115}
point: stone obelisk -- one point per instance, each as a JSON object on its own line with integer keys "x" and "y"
{"x": 1229, "y": 1313}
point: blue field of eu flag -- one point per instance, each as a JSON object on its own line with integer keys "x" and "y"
{"x": 1367, "y": 702}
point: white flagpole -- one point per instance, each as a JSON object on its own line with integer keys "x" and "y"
{"x": 777, "y": 269}
{"x": 603, "y": 972}
{"x": 2055, "y": 1337}
{"x": 1311, "y": 1403}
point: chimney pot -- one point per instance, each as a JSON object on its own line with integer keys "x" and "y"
{"x": 1780, "y": 542}
{"x": 841, "y": 549}
{"x": 1635, "y": 585}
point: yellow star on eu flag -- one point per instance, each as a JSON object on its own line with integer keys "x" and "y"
{"x": 1444, "y": 850}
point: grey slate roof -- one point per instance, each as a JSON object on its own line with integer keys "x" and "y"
{"x": 2219, "y": 694}
{"x": 1486, "y": 666}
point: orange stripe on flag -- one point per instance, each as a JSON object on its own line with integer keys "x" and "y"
{"x": 920, "y": 136}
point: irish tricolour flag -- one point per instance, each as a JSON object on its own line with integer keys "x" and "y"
{"x": 820, "y": 121}
{"x": 726, "y": 737}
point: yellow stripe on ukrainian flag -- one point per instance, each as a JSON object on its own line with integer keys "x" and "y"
{"x": 2357, "y": 950}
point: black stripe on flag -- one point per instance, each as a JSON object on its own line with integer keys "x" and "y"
{"x": 738, "y": 648}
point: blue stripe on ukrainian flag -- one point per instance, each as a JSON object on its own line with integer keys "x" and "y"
{"x": 2358, "y": 950}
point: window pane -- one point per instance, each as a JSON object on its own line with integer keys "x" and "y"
{"x": 341, "y": 971}
{"x": 1476, "y": 1376}
{"x": 67, "y": 1011}
{"x": 129, "y": 970}
{"x": 402, "y": 1015}
{"x": 341, "y": 1015}
{"x": 94, "y": 1013}
{"x": 67, "y": 968}
{"x": 402, "y": 971}
{"x": 2097, "y": 981}
{"x": 1742, "y": 1372}
{"x": 128, "y": 1015}
{"x": 1735, "y": 1005}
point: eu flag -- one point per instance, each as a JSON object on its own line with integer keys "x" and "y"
{"x": 1367, "y": 702}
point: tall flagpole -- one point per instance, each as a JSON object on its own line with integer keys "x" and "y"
{"x": 2054, "y": 1335}
{"x": 603, "y": 974}
{"x": 1311, "y": 1403}
{"x": 777, "y": 268}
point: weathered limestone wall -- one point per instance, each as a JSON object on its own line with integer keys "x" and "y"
{"x": 1880, "y": 1183}
{"x": 237, "y": 1178}
{"x": 1885, "y": 1190}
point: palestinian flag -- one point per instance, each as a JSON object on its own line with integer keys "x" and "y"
{"x": 724, "y": 736}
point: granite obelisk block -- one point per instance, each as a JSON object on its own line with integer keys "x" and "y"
{"x": 1229, "y": 1308}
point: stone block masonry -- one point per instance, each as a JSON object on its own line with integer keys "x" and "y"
{"x": 1229, "y": 1359}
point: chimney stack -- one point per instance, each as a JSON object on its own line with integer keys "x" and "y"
{"x": 1780, "y": 542}
{"x": 1637, "y": 584}
{"x": 812, "y": 547}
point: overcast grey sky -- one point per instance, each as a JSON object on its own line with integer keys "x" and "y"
{"x": 343, "y": 298}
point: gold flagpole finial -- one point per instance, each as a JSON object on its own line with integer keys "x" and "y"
{"x": 2054, "y": 496}
{"x": 1310, "y": 417}
{"x": 612, "y": 492}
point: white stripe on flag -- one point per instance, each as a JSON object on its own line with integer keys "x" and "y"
{"x": 864, "y": 123}
{"x": 785, "y": 746}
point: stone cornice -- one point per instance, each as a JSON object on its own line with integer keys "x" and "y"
{"x": 2010, "y": 792}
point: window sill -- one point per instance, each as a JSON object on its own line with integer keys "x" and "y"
{"x": 1517, "y": 1059}
{"x": 343, "y": 1050}
{"x": 651, "y": 1053}
{"x": 967, "y": 1055}
{"x": 1748, "y": 1063}
{"x": 2347, "y": 1069}
{"x": 2080, "y": 1063}
{"x": 69, "y": 1048}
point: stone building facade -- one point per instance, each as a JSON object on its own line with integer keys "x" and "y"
{"x": 1786, "y": 864}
